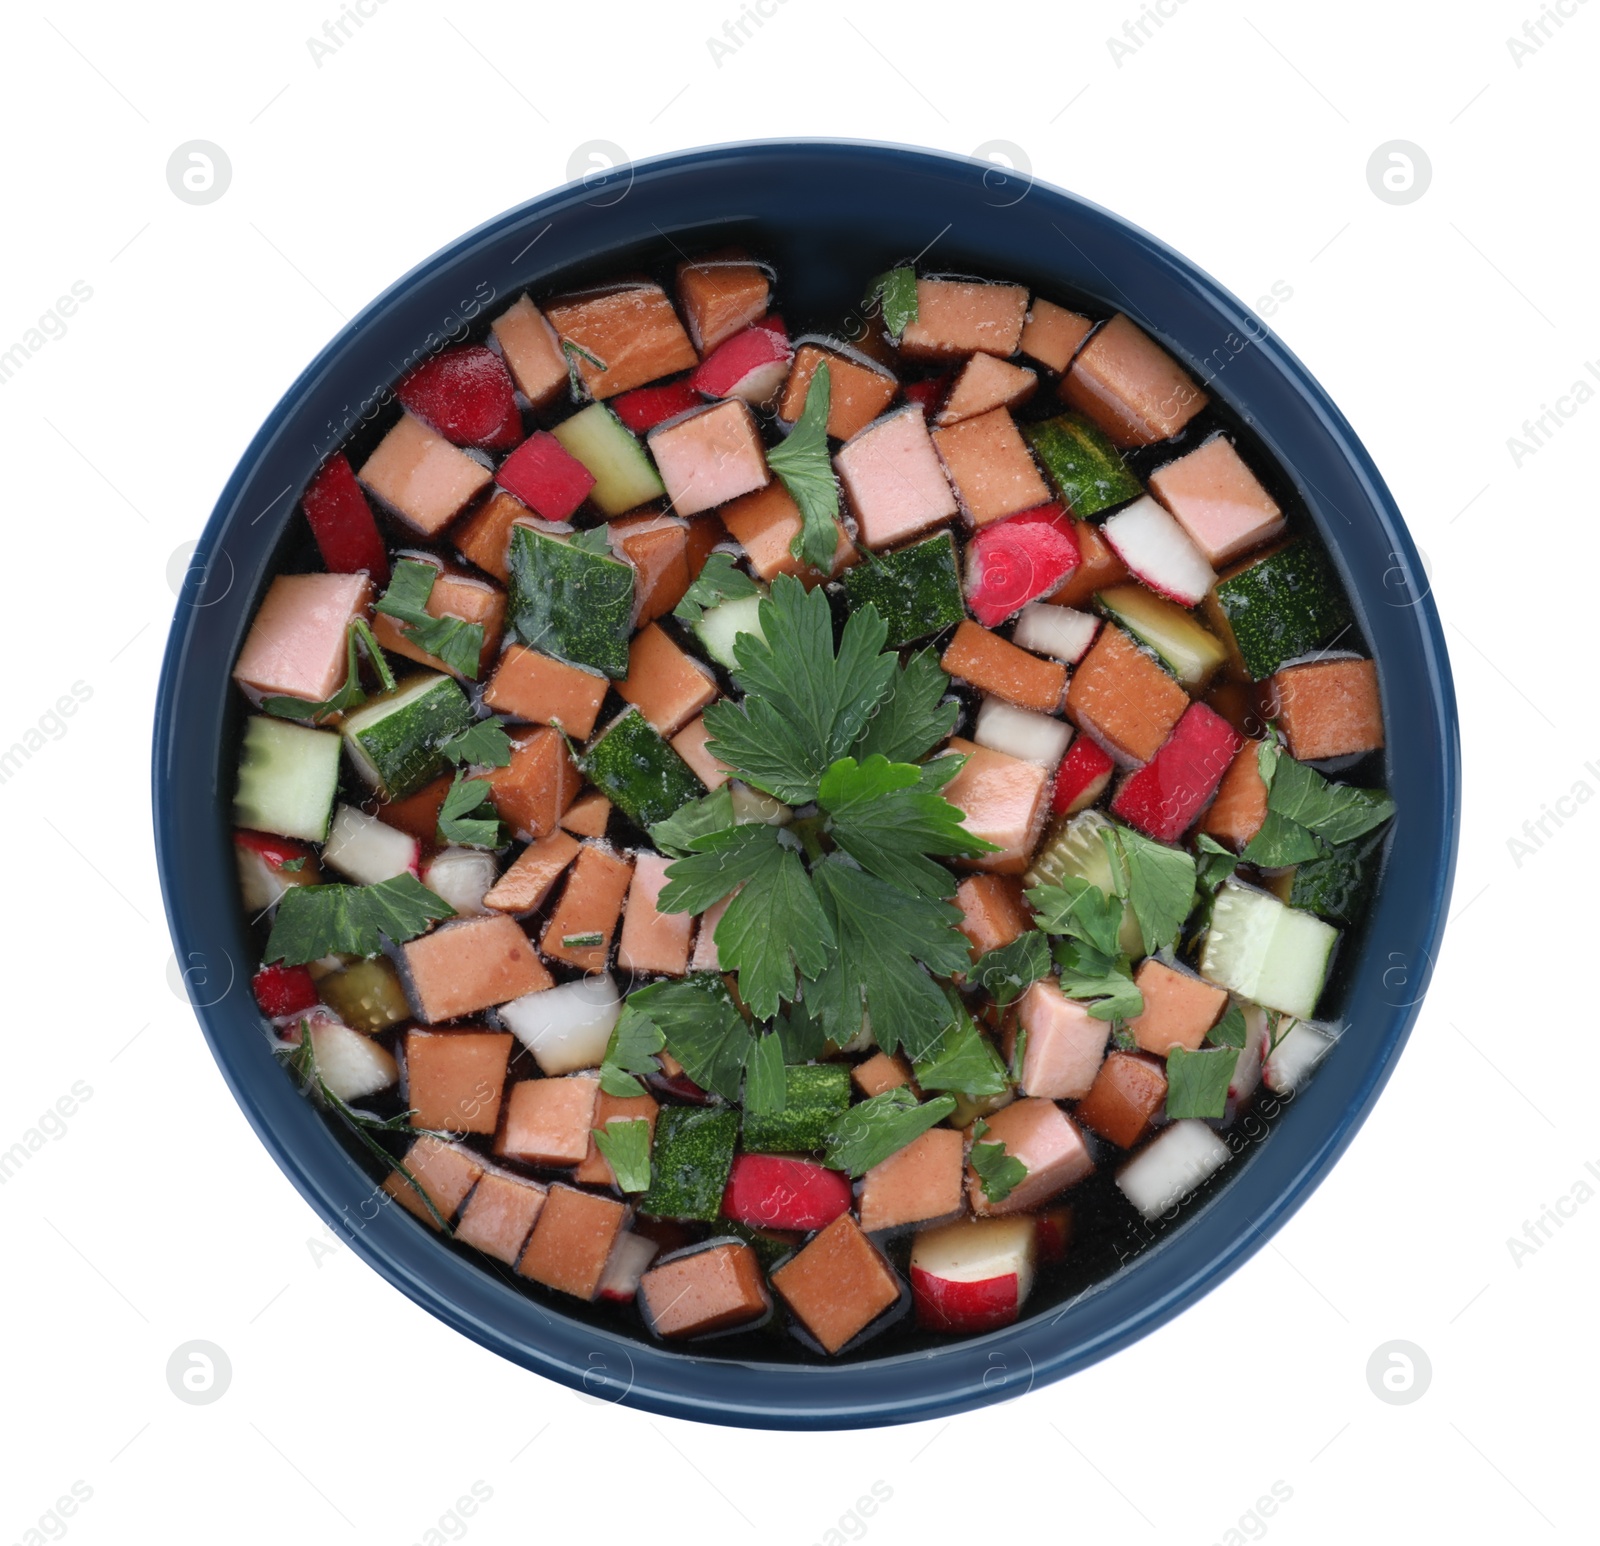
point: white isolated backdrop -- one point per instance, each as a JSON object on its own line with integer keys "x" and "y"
{"x": 150, "y": 1218}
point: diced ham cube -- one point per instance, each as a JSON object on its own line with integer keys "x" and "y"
{"x": 653, "y": 941}
{"x": 421, "y": 476}
{"x": 720, "y": 294}
{"x": 894, "y": 480}
{"x": 1130, "y": 386}
{"x": 534, "y": 789}
{"x": 546, "y": 477}
{"x": 1064, "y": 1046}
{"x": 1098, "y": 569}
{"x": 705, "y": 958}
{"x": 1123, "y": 697}
{"x": 995, "y": 665}
{"x": 1124, "y": 1099}
{"x": 1218, "y": 501}
{"x": 989, "y": 464}
{"x": 959, "y": 316}
{"x": 993, "y": 913}
{"x": 595, "y": 1169}
{"x": 470, "y": 965}
{"x": 701, "y": 1291}
{"x": 857, "y": 392}
{"x": 531, "y": 350}
{"x": 837, "y": 1284}
{"x": 881, "y": 1072}
{"x": 1178, "y": 1009}
{"x": 1040, "y": 1134}
{"x": 632, "y": 330}
{"x": 1053, "y": 334}
{"x": 666, "y": 685}
{"x": 454, "y": 1079}
{"x": 765, "y": 525}
{"x": 922, "y": 1183}
{"x": 1235, "y": 816}
{"x": 588, "y": 816}
{"x": 453, "y": 595}
{"x": 484, "y": 538}
{"x": 1163, "y": 798}
{"x": 1329, "y": 708}
{"x": 590, "y": 904}
{"x": 500, "y": 1215}
{"x": 531, "y": 686}
{"x": 297, "y": 642}
{"x": 548, "y": 1120}
{"x": 708, "y": 458}
{"x": 1082, "y": 778}
{"x": 690, "y": 744}
{"x": 572, "y": 1241}
{"x": 533, "y": 875}
{"x": 985, "y": 383}
{"x": 1002, "y": 800}
{"x": 444, "y": 1172}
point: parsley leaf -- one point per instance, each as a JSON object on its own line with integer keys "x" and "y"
{"x": 1307, "y": 814}
{"x": 317, "y": 921}
{"x": 914, "y": 716}
{"x": 468, "y": 816}
{"x": 1156, "y": 881}
{"x": 631, "y": 1052}
{"x": 348, "y": 697}
{"x": 1090, "y": 974}
{"x": 593, "y": 539}
{"x": 1080, "y": 909}
{"x": 625, "y": 1146}
{"x": 721, "y": 580}
{"x": 695, "y": 819}
{"x": 880, "y": 815}
{"x": 766, "y": 1089}
{"x": 964, "y": 1062}
{"x": 871, "y": 1130}
{"x": 1229, "y": 1031}
{"x": 998, "y": 1171}
{"x": 804, "y": 706}
{"x": 701, "y": 1027}
{"x": 896, "y": 293}
{"x": 575, "y": 352}
{"x": 485, "y": 745}
{"x": 456, "y": 642}
{"x": 802, "y": 464}
{"x": 1009, "y": 971}
{"x": 294, "y": 866}
{"x": 802, "y": 1036}
{"x": 1214, "y": 863}
{"x": 1197, "y": 1082}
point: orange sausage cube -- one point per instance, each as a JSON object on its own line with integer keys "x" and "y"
{"x": 919, "y": 1184}
{"x": 588, "y": 816}
{"x": 590, "y": 904}
{"x": 721, "y": 296}
{"x": 531, "y": 350}
{"x": 1218, "y": 501}
{"x": 572, "y": 1241}
{"x": 500, "y": 1215}
{"x": 690, "y": 744}
{"x": 998, "y": 666}
{"x": 710, "y": 457}
{"x": 470, "y": 965}
{"x": 1040, "y": 1134}
{"x": 533, "y": 875}
{"x": 989, "y": 464}
{"x": 455, "y": 1078}
{"x": 658, "y": 548}
{"x": 533, "y": 790}
{"x": 1052, "y": 334}
{"x": 548, "y": 1120}
{"x": 1329, "y": 708}
{"x": 1130, "y": 386}
{"x": 444, "y": 1173}
{"x": 484, "y": 538}
{"x": 666, "y": 685}
{"x": 1123, "y": 697}
{"x": 632, "y": 330}
{"x": 704, "y": 1291}
{"x": 765, "y": 525}
{"x": 857, "y": 393}
{"x": 958, "y": 316}
{"x": 1064, "y": 1045}
{"x": 453, "y": 595}
{"x": 1126, "y": 1094}
{"x": 528, "y": 685}
{"x": 1235, "y": 816}
{"x": 653, "y": 941}
{"x": 881, "y": 1072}
{"x": 993, "y": 913}
{"x": 1178, "y": 1009}
{"x": 894, "y": 480}
{"x": 1098, "y": 569}
{"x": 595, "y": 1169}
{"x": 421, "y": 476}
{"x": 838, "y": 1284}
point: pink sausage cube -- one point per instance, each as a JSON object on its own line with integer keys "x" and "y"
{"x": 424, "y": 478}
{"x": 297, "y": 642}
{"x": 653, "y": 941}
{"x": 1040, "y": 1134}
{"x": 892, "y": 477}
{"x": 711, "y": 457}
{"x": 1216, "y": 499}
{"x": 1002, "y": 800}
{"x": 706, "y": 958}
{"x": 1130, "y": 386}
{"x": 1064, "y": 1046}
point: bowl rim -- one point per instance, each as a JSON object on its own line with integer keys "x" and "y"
{"x": 616, "y": 1365}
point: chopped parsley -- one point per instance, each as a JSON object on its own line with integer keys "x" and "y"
{"x": 595, "y": 540}
{"x": 468, "y": 817}
{"x": 694, "y": 819}
{"x": 721, "y": 580}
{"x": 453, "y": 640}
{"x": 1229, "y": 1031}
{"x": 631, "y": 1053}
{"x": 485, "y": 745}
{"x": 359, "y": 637}
{"x": 895, "y": 294}
{"x": 1197, "y": 1082}
{"x": 964, "y": 1062}
{"x": 1156, "y": 881}
{"x": 805, "y": 470}
{"x": 1092, "y": 965}
{"x": 871, "y": 1130}
{"x": 625, "y": 1146}
{"x": 998, "y": 1172}
{"x": 1307, "y": 815}
{"x": 582, "y": 941}
{"x": 317, "y": 921}
{"x": 575, "y": 352}
{"x": 1009, "y": 971}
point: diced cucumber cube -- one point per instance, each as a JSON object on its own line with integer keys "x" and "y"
{"x": 1191, "y": 652}
{"x": 570, "y": 603}
{"x": 1264, "y": 951}
{"x": 720, "y": 625}
{"x": 624, "y": 475}
{"x": 1075, "y": 847}
{"x": 816, "y": 1096}
{"x": 288, "y": 777}
{"x": 1281, "y": 606}
{"x": 643, "y": 776}
{"x": 1084, "y": 466}
{"x": 1339, "y": 884}
{"x": 690, "y": 1161}
{"x": 917, "y": 590}
{"x": 394, "y": 739}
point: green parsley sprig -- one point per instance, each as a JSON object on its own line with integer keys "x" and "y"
{"x": 999, "y": 1173}
{"x": 805, "y": 470}
{"x": 316, "y": 921}
{"x": 1307, "y": 815}
{"x": 458, "y": 643}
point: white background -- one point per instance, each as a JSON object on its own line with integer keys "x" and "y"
{"x": 1242, "y": 137}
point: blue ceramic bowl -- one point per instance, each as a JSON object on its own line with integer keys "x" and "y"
{"x": 828, "y": 213}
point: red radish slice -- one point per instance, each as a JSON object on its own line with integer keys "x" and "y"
{"x": 974, "y": 1275}
{"x": 1017, "y": 560}
{"x": 467, "y": 395}
{"x": 750, "y": 365}
{"x": 1168, "y": 793}
{"x": 261, "y": 857}
{"x": 1053, "y": 1232}
{"x": 770, "y": 1191}
{"x": 630, "y": 1256}
{"x": 1082, "y": 777}
{"x": 545, "y": 476}
{"x": 1158, "y": 551}
{"x": 1060, "y": 632}
{"x": 928, "y": 394}
{"x": 342, "y": 522}
{"x": 284, "y": 990}
{"x": 645, "y": 407}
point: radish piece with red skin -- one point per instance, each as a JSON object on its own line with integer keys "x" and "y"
{"x": 1164, "y": 797}
{"x": 277, "y": 851}
{"x": 630, "y": 1256}
{"x": 467, "y": 395}
{"x": 771, "y": 1191}
{"x": 343, "y": 523}
{"x": 750, "y": 365}
{"x": 1082, "y": 777}
{"x": 645, "y": 407}
{"x": 974, "y": 1275}
{"x": 1159, "y": 552}
{"x": 929, "y": 394}
{"x": 1018, "y": 560}
{"x": 283, "y": 990}
{"x": 545, "y": 476}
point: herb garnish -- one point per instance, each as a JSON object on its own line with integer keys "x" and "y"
{"x": 468, "y": 816}
{"x": 870, "y": 1131}
{"x": 458, "y": 643}
{"x": 1009, "y": 971}
{"x": 802, "y": 464}
{"x": 485, "y": 745}
{"x": 895, "y": 292}
{"x": 721, "y": 580}
{"x": 1306, "y": 814}
{"x": 575, "y": 352}
{"x": 625, "y": 1146}
{"x": 317, "y": 921}
{"x": 1197, "y": 1082}
{"x": 1089, "y": 956}
{"x": 998, "y": 1171}
{"x": 963, "y": 1062}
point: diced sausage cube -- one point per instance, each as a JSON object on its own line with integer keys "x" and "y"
{"x": 989, "y": 464}
{"x": 590, "y": 904}
{"x": 705, "y": 958}
{"x": 959, "y": 316}
{"x": 595, "y": 1169}
{"x": 1123, "y": 697}
{"x": 658, "y": 548}
{"x": 703, "y": 1291}
{"x": 1099, "y": 568}
{"x": 533, "y": 875}
{"x": 297, "y": 643}
{"x": 1329, "y": 708}
{"x": 1052, "y": 334}
{"x": 893, "y": 480}
{"x": 632, "y": 330}
{"x": 690, "y": 744}
{"x": 919, "y": 1184}
{"x": 996, "y": 665}
{"x": 1235, "y": 816}
{"x": 993, "y": 913}
{"x": 881, "y": 1072}
{"x": 1123, "y": 1100}
{"x": 1040, "y": 1134}
{"x": 765, "y": 525}
{"x": 1178, "y": 1009}
{"x": 531, "y": 686}
{"x": 454, "y": 1079}
{"x": 470, "y": 965}
{"x": 572, "y": 1241}
{"x": 444, "y": 1172}
{"x": 548, "y": 1120}
{"x": 588, "y": 816}
{"x": 1003, "y": 801}
{"x": 534, "y": 789}
{"x": 710, "y": 457}
{"x": 421, "y": 476}
{"x": 1064, "y": 1046}
{"x": 857, "y": 393}
{"x": 484, "y": 538}
{"x": 1218, "y": 501}
{"x": 453, "y": 595}
{"x": 500, "y": 1215}
{"x": 837, "y": 1284}
{"x": 653, "y": 941}
{"x": 986, "y": 383}
{"x": 1130, "y": 386}
{"x": 720, "y": 296}
{"x": 531, "y": 350}
{"x": 666, "y": 685}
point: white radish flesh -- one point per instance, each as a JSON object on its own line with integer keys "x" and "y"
{"x": 462, "y": 876}
{"x": 1060, "y": 632}
{"x": 366, "y": 850}
{"x": 1300, "y": 1048}
{"x": 351, "y": 1065}
{"x": 630, "y": 1256}
{"x": 1159, "y": 552}
{"x": 1171, "y": 1166}
{"x": 1037, "y": 738}
{"x": 567, "y": 1027}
